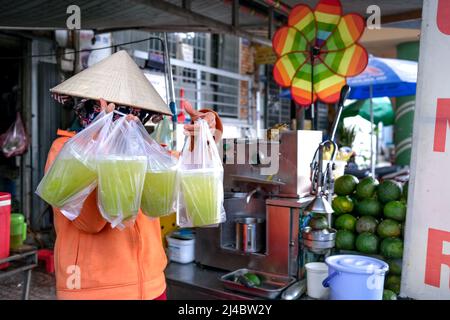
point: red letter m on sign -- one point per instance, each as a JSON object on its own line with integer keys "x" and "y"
{"x": 442, "y": 121}
{"x": 435, "y": 257}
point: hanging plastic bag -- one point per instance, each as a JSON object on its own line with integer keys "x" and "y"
{"x": 72, "y": 175}
{"x": 14, "y": 141}
{"x": 121, "y": 166}
{"x": 200, "y": 179}
{"x": 159, "y": 193}
{"x": 163, "y": 132}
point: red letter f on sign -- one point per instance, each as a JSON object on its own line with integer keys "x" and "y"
{"x": 443, "y": 18}
{"x": 442, "y": 121}
{"x": 435, "y": 257}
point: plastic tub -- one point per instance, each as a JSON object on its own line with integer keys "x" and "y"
{"x": 181, "y": 250}
{"x": 316, "y": 272}
{"x": 354, "y": 277}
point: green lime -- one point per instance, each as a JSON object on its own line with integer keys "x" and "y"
{"x": 395, "y": 266}
{"x": 389, "y": 191}
{"x": 369, "y": 207}
{"x": 342, "y": 204}
{"x": 367, "y": 242}
{"x": 389, "y": 228}
{"x": 346, "y": 222}
{"x": 345, "y": 185}
{"x": 393, "y": 283}
{"x": 389, "y": 295}
{"x": 345, "y": 240}
{"x": 366, "y": 188}
{"x": 318, "y": 223}
{"x": 366, "y": 224}
{"x": 395, "y": 210}
{"x": 253, "y": 278}
{"x": 392, "y": 248}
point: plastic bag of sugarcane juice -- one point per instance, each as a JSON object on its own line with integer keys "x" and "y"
{"x": 200, "y": 181}
{"x": 159, "y": 193}
{"x": 72, "y": 175}
{"x": 121, "y": 166}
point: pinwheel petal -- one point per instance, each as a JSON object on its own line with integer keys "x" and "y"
{"x": 288, "y": 39}
{"x": 286, "y": 67}
{"x": 348, "y": 62}
{"x": 302, "y": 18}
{"x": 301, "y": 86}
{"x": 327, "y": 85}
{"x": 348, "y": 32}
{"x": 328, "y": 14}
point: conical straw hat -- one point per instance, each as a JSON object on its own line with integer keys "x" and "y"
{"x": 116, "y": 79}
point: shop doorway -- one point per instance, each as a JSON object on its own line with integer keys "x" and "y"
{"x": 10, "y": 104}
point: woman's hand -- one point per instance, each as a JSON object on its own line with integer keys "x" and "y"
{"x": 61, "y": 98}
{"x": 209, "y": 117}
{"x": 105, "y": 106}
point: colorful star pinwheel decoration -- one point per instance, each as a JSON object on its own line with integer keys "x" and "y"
{"x": 317, "y": 51}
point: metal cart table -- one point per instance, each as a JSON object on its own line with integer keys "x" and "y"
{"x": 23, "y": 260}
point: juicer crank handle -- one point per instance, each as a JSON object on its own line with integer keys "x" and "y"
{"x": 326, "y": 282}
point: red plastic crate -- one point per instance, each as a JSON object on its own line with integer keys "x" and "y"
{"x": 5, "y": 217}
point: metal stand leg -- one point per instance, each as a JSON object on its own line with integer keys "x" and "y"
{"x": 26, "y": 284}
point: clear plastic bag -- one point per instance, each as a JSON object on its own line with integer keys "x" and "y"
{"x": 72, "y": 175}
{"x": 121, "y": 166}
{"x": 14, "y": 141}
{"x": 163, "y": 132}
{"x": 200, "y": 181}
{"x": 159, "y": 193}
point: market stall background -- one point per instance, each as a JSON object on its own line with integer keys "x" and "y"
{"x": 31, "y": 33}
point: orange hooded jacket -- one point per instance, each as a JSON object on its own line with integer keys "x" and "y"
{"x": 95, "y": 261}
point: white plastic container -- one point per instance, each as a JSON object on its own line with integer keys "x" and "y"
{"x": 180, "y": 250}
{"x": 316, "y": 272}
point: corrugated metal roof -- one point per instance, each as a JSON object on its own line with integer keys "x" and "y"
{"x": 107, "y": 14}
{"x": 166, "y": 15}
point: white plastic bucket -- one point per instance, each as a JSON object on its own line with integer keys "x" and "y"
{"x": 316, "y": 272}
{"x": 180, "y": 250}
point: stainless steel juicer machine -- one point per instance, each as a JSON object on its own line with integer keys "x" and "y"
{"x": 271, "y": 188}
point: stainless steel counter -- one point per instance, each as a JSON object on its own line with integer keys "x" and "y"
{"x": 289, "y": 202}
{"x": 191, "y": 282}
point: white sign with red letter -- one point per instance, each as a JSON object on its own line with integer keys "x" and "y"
{"x": 426, "y": 262}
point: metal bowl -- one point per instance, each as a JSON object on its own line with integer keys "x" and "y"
{"x": 319, "y": 240}
{"x": 325, "y": 235}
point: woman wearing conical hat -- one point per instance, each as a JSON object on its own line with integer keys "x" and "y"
{"x": 93, "y": 260}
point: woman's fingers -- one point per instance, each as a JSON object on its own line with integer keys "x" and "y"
{"x": 156, "y": 118}
{"x": 131, "y": 117}
{"x": 104, "y": 106}
{"x": 60, "y": 98}
{"x": 209, "y": 117}
{"x": 110, "y": 107}
{"x": 190, "y": 110}
{"x": 103, "y": 103}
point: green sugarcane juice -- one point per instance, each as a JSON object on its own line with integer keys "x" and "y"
{"x": 158, "y": 193}
{"x": 65, "y": 178}
{"x": 202, "y": 193}
{"x": 120, "y": 182}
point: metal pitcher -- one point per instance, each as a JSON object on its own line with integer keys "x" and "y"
{"x": 249, "y": 234}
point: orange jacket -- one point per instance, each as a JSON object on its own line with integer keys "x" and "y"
{"x": 95, "y": 261}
